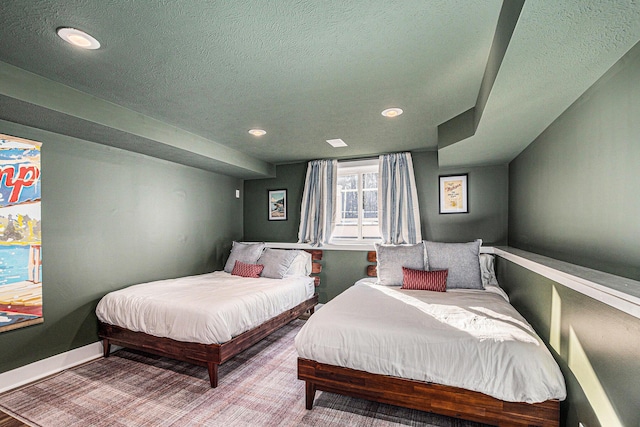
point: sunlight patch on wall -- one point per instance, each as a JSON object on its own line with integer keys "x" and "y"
{"x": 588, "y": 379}
{"x": 556, "y": 320}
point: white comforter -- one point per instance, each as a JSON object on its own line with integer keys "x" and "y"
{"x": 472, "y": 339}
{"x": 209, "y": 308}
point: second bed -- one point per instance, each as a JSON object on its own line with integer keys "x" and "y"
{"x": 465, "y": 352}
{"x": 209, "y": 318}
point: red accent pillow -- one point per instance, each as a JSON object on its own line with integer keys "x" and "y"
{"x": 247, "y": 270}
{"x": 434, "y": 280}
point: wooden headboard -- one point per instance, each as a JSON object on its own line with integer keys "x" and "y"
{"x": 316, "y": 267}
{"x": 372, "y": 270}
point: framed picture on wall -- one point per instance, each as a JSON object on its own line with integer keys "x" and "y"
{"x": 20, "y": 219}
{"x": 277, "y": 205}
{"x": 454, "y": 194}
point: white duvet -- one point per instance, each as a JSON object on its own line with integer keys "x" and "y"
{"x": 472, "y": 339}
{"x": 209, "y": 308}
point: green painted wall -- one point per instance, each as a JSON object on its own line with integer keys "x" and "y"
{"x": 597, "y": 352}
{"x": 488, "y": 192}
{"x": 341, "y": 269}
{"x": 574, "y": 191}
{"x": 257, "y": 226}
{"x": 573, "y": 196}
{"x": 113, "y": 218}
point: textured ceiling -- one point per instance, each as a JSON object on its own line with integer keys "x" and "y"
{"x": 186, "y": 80}
{"x": 558, "y": 50}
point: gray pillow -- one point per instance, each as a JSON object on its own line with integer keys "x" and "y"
{"x": 392, "y": 258}
{"x": 243, "y": 252}
{"x": 276, "y": 262}
{"x": 461, "y": 259}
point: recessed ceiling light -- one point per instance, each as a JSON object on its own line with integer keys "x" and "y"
{"x": 257, "y": 132}
{"x": 78, "y": 38}
{"x": 392, "y": 112}
{"x": 337, "y": 142}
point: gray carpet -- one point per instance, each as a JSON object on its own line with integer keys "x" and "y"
{"x": 256, "y": 388}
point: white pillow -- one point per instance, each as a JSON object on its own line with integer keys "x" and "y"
{"x": 489, "y": 280}
{"x": 243, "y": 252}
{"x": 487, "y": 270}
{"x": 301, "y": 265}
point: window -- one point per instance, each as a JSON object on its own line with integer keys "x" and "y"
{"x": 357, "y": 202}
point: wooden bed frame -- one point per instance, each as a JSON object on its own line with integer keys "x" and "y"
{"x": 429, "y": 397}
{"x": 209, "y": 355}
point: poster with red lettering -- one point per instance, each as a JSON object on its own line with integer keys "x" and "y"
{"x": 20, "y": 231}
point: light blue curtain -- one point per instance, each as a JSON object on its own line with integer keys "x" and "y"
{"x": 317, "y": 214}
{"x": 398, "y": 208}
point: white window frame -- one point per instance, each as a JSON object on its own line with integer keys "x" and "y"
{"x": 359, "y": 167}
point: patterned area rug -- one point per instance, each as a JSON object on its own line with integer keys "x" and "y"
{"x": 259, "y": 387}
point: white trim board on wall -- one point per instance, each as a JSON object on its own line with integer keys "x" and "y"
{"x": 342, "y": 247}
{"x": 618, "y": 292}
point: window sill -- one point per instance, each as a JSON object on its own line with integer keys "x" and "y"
{"x": 344, "y": 247}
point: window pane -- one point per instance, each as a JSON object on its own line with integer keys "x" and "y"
{"x": 370, "y": 180}
{"x": 347, "y": 200}
{"x": 370, "y": 204}
{"x": 348, "y": 182}
{"x": 349, "y": 226}
{"x": 350, "y": 204}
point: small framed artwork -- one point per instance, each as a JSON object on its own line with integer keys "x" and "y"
{"x": 277, "y": 205}
{"x": 454, "y": 194}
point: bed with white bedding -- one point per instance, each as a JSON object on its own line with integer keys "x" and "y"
{"x": 465, "y": 352}
{"x": 208, "y": 309}
{"x": 209, "y": 318}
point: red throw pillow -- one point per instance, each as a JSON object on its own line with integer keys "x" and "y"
{"x": 435, "y": 280}
{"x": 247, "y": 270}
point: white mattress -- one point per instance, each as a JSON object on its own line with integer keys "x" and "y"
{"x": 472, "y": 339}
{"x": 209, "y": 308}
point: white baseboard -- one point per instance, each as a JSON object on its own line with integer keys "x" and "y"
{"x": 49, "y": 366}
{"x": 52, "y": 365}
